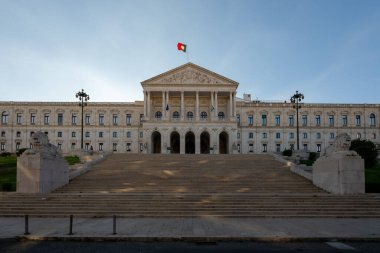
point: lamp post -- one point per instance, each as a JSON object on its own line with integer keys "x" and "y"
{"x": 295, "y": 100}
{"x": 83, "y": 98}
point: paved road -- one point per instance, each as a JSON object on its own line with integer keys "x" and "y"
{"x": 183, "y": 247}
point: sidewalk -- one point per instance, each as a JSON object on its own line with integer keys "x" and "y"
{"x": 194, "y": 229}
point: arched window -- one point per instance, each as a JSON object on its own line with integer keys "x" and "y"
{"x": 175, "y": 115}
{"x": 372, "y": 119}
{"x": 4, "y": 117}
{"x": 203, "y": 115}
{"x": 158, "y": 115}
{"x": 221, "y": 115}
{"x": 190, "y": 115}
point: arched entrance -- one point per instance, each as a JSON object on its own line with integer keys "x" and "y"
{"x": 175, "y": 142}
{"x": 189, "y": 143}
{"x": 205, "y": 143}
{"x": 223, "y": 143}
{"x": 156, "y": 142}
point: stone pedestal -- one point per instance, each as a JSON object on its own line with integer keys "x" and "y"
{"x": 340, "y": 173}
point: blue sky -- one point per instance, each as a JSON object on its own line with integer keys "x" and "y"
{"x": 327, "y": 49}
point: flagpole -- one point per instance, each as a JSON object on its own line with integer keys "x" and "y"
{"x": 187, "y": 54}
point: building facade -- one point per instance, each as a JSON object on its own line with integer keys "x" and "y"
{"x": 188, "y": 109}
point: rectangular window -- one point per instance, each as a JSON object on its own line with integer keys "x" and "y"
{"x": 32, "y": 118}
{"x": 318, "y": 120}
{"x": 141, "y": 147}
{"x": 59, "y": 146}
{"x": 278, "y": 135}
{"x": 87, "y": 135}
{"x": 31, "y": 134}
{"x": 331, "y": 120}
{"x": 100, "y": 134}
{"x": 18, "y": 134}
{"x": 18, "y": 145}
{"x": 19, "y": 118}
{"x": 238, "y": 147}
{"x": 114, "y": 146}
{"x": 264, "y": 147}
{"x": 250, "y": 135}
{"x": 46, "y": 118}
{"x": 88, "y": 120}
{"x": 73, "y": 134}
{"x": 60, "y": 119}
{"x": 129, "y": 119}
{"x": 265, "y": 135}
{"x": 278, "y": 120}
{"x": 129, "y": 134}
{"x": 2, "y": 133}
{"x": 114, "y": 119}
{"x": 128, "y": 146}
{"x": 304, "y": 120}
{"x": 318, "y": 135}
{"x": 264, "y": 120}
{"x": 278, "y": 148}
{"x": 358, "y": 121}
{"x": 59, "y": 134}
{"x": 141, "y": 135}
{"x": 47, "y": 133}
{"x": 2, "y": 146}
{"x": 100, "y": 146}
{"x": 291, "y": 120}
{"x": 305, "y": 147}
{"x": 73, "y": 145}
{"x": 101, "y": 119}
{"x": 250, "y": 148}
{"x": 318, "y": 147}
{"x": 4, "y": 118}
{"x": 238, "y": 135}
{"x": 73, "y": 119}
{"x": 86, "y": 146}
{"x": 238, "y": 119}
{"x": 291, "y": 135}
{"x": 292, "y": 146}
{"x": 305, "y": 135}
{"x": 344, "y": 120}
{"x": 250, "y": 120}
{"x": 332, "y": 135}
{"x": 114, "y": 134}
{"x": 141, "y": 118}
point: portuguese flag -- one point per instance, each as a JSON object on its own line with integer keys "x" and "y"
{"x": 181, "y": 47}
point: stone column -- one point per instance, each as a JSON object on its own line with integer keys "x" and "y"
{"x": 212, "y": 106}
{"x": 230, "y": 111}
{"x": 148, "y": 105}
{"x": 197, "y": 143}
{"x": 216, "y": 104}
{"x": 234, "y": 97}
{"x": 182, "y": 143}
{"x": 197, "y": 107}
{"x": 163, "y": 105}
{"x": 145, "y": 104}
{"x": 167, "y": 113}
{"x": 182, "y": 106}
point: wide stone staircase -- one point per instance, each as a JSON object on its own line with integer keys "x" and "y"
{"x": 132, "y": 185}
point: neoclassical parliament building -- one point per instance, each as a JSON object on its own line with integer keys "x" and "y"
{"x": 186, "y": 110}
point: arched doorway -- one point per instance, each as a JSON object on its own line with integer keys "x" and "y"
{"x": 156, "y": 142}
{"x": 175, "y": 142}
{"x": 190, "y": 143}
{"x": 223, "y": 143}
{"x": 205, "y": 143}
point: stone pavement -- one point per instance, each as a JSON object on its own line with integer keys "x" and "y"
{"x": 194, "y": 229}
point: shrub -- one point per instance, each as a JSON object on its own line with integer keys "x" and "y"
{"x": 313, "y": 156}
{"x": 307, "y": 162}
{"x": 7, "y": 187}
{"x": 72, "y": 159}
{"x": 367, "y": 150}
{"x": 5, "y": 154}
{"x": 287, "y": 152}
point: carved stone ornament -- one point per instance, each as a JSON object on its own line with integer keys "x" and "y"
{"x": 340, "y": 145}
{"x": 189, "y": 76}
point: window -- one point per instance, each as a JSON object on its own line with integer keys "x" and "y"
{"x": 158, "y": 115}
{"x": 2, "y": 146}
{"x": 238, "y": 147}
{"x": 141, "y": 147}
{"x": 358, "y": 122}
{"x": 250, "y": 119}
{"x": 19, "y": 118}
{"x": 358, "y": 136}
{"x": 100, "y": 146}
{"x": 373, "y": 136}
{"x": 332, "y": 136}
{"x": 18, "y": 145}
{"x": 291, "y": 135}
{"x": 128, "y": 146}
{"x": 292, "y": 146}
{"x": 4, "y": 118}
{"x": 221, "y": 115}
{"x": 73, "y": 119}
{"x": 59, "y": 134}
{"x": 114, "y": 146}
{"x": 305, "y": 135}
{"x": 141, "y": 135}
{"x": 46, "y": 118}
{"x": 32, "y": 118}
{"x": 238, "y": 135}
{"x": 278, "y": 148}
{"x": 331, "y": 120}
{"x": 203, "y": 115}
{"x": 190, "y": 115}
{"x": 304, "y": 120}
{"x": 47, "y": 133}
{"x": 305, "y": 147}
{"x": 114, "y": 134}
{"x": 238, "y": 118}
{"x": 60, "y": 119}
{"x": 372, "y": 120}
{"x": 264, "y": 120}
{"x": 73, "y": 145}
{"x": 278, "y": 135}
{"x": 101, "y": 119}
{"x": 129, "y": 134}
{"x": 31, "y": 134}
{"x": 87, "y": 146}
{"x": 129, "y": 119}
{"x": 100, "y": 134}
{"x": 73, "y": 134}
{"x": 2, "y": 133}
{"x": 114, "y": 119}
{"x": 30, "y": 145}
{"x": 18, "y": 134}
{"x": 87, "y": 134}
{"x": 265, "y": 135}
{"x": 344, "y": 120}
{"x": 141, "y": 118}
{"x": 278, "y": 120}
{"x": 291, "y": 120}
{"x": 175, "y": 115}
{"x": 59, "y": 146}
{"x": 250, "y": 135}
{"x": 317, "y": 120}
{"x": 318, "y": 147}
{"x": 318, "y": 135}
{"x": 87, "y": 119}
{"x": 250, "y": 148}
{"x": 264, "y": 147}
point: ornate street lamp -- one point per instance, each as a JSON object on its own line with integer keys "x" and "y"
{"x": 295, "y": 100}
{"x": 83, "y": 98}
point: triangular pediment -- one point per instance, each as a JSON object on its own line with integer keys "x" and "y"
{"x": 189, "y": 73}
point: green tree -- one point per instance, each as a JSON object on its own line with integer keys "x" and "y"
{"x": 367, "y": 150}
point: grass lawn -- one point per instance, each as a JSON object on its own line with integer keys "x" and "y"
{"x": 8, "y": 173}
{"x": 372, "y": 179}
